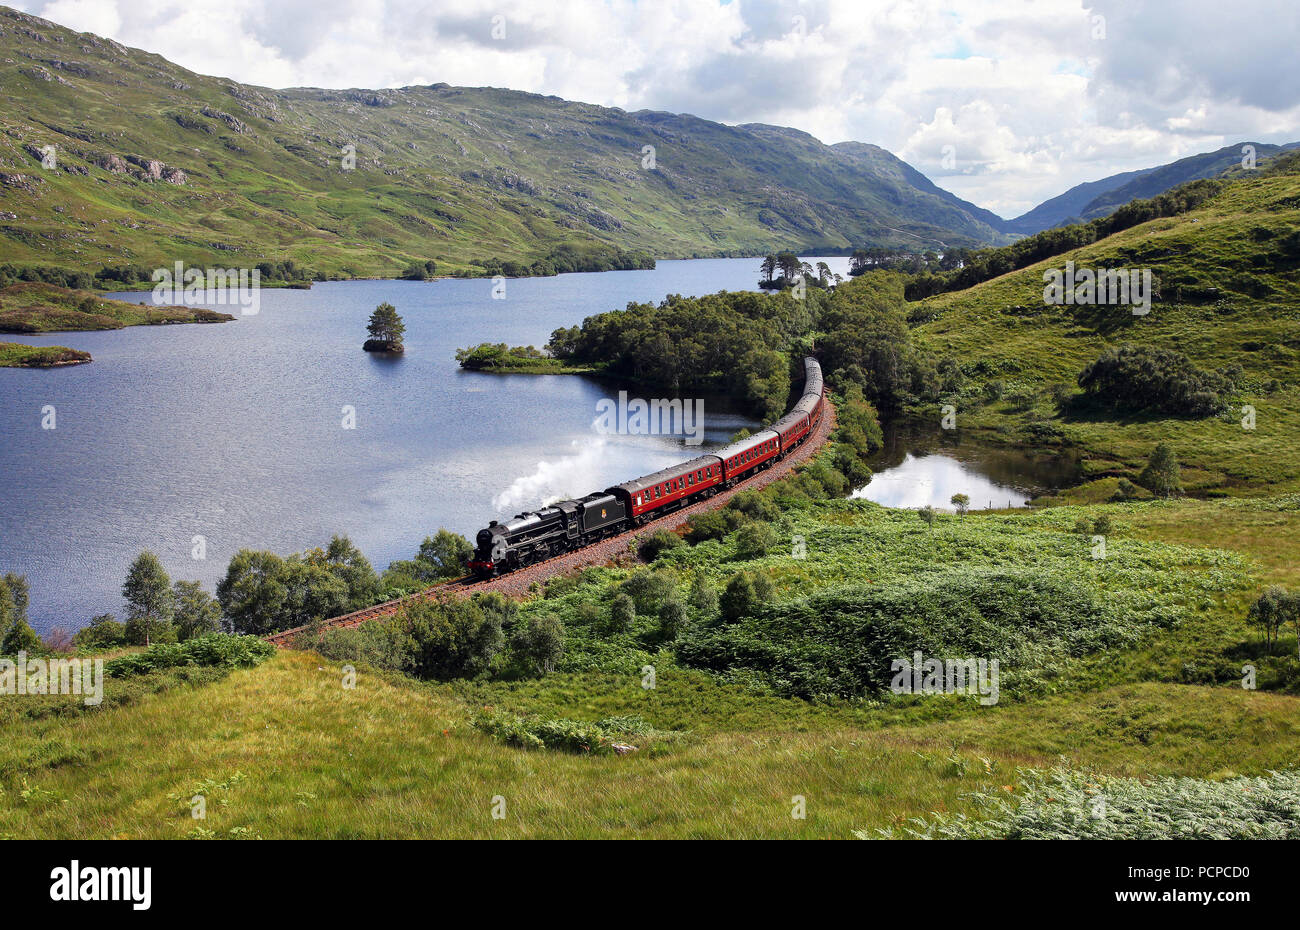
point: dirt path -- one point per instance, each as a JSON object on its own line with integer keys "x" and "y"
{"x": 517, "y": 583}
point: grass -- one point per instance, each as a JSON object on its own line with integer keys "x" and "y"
{"x": 393, "y": 758}
{"x": 18, "y": 355}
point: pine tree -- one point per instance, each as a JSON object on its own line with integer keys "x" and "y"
{"x": 386, "y": 329}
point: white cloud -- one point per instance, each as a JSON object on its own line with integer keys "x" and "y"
{"x": 1030, "y": 98}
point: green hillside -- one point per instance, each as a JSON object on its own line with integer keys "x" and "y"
{"x": 156, "y": 164}
{"x": 1229, "y": 295}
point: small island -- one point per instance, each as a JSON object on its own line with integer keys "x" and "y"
{"x": 516, "y": 360}
{"x": 386, "y": 330}
{"x": 35, "y": 307}
{"x": 19, "y": 355}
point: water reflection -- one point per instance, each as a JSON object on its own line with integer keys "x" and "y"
{"x": 921, "y": 464}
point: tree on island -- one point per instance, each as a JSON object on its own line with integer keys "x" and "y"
{"x": 386, "y": 330}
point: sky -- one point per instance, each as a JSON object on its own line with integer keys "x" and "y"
{"x": 1003, "y": 102}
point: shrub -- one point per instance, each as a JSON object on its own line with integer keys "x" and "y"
{"x": 600, "y": 738}
{"x": 754, "y": 504}
{"x": 703, "y": 596}
{"x": 647, "y": 589}
{"x": 103, "y": 632}
{"x": 672, "y": 619}
{"x": 745, "y": 593}
{"x": 1145, "y": 378}
{"x": 713, "y": 524}
{"x": 449, "y": 638}
{"x": 842, "y": 641}
{"x": 540, "y": 644}
{"x": 656, "y": 544}
{"x": 212, "y": 650}
{"x": 19, "y": 637}
{"x": 754, "y": 540}
{"x": 375, "y": 643}
{"x": 622, "y": 613}
{"x": 1125, "y": 491}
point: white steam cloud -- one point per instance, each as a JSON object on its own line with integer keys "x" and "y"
{"x": 557, "y": 480}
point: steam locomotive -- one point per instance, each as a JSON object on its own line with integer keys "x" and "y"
{"x": 538, "y": 535}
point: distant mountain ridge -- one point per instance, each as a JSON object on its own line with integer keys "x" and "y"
{"x": 1094, "y": 199}
{"x": 156, "y": 163}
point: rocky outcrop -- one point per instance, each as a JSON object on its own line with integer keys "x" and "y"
{"x": 112, "y": 163}
{"x": 148, "y": 169}
{"x": 141, "y": 168}
{"x": 234, "y": 122}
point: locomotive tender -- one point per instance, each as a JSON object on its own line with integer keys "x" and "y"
{"x": 538, "y": 535}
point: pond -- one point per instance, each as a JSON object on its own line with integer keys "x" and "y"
{"x": 921, "y": 464}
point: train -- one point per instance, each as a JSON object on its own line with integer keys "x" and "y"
{"x": 538, "y": 535}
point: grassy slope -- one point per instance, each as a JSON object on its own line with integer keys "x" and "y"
{"x": 398, "y": 758}
{"x": 1255, "y": 322}
{"x": 47, "y": 308}
{"x": 395, "y": 759}
{"x": 441, "y": 172}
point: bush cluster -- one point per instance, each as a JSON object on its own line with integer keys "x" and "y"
{"x": 1147, "y": 378}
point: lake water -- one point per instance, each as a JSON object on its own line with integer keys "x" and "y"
{"x": 233, "y": 432}
{"x": 923, "y": 464}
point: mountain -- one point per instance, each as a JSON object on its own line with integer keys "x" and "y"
{"x": 908, "y": 180}
{"x": 1067, "y": 207}
{"x": 155, "y": 164}
{"x": 1101, "y": 198}
{"x": 1158, "y": 180}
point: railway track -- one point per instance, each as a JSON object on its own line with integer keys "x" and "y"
{"x": 518, "y": 583}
